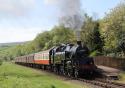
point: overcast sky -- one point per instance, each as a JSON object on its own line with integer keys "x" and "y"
{"x": 22, "y": 20}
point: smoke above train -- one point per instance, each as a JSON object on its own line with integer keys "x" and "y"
{"x": 70, "y": 14}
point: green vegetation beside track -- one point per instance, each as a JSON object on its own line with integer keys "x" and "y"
{"x": 15, "y": 76}
{"x": 121, "y": 77}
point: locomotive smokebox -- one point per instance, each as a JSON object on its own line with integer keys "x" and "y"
{"x": 78, "y": 37}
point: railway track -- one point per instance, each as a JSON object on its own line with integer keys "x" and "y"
{"x": 101, "y": 82}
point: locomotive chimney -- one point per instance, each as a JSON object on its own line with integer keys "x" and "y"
{"x": 78, "y": 37}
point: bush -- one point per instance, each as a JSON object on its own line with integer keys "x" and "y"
{"x": 95, "y": 53}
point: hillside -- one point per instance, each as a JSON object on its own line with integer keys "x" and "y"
{"x": 11, "y": 44}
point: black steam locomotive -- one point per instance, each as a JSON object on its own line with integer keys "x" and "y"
{"x": 73, "y": 60}
{"x": 66, "y": 59}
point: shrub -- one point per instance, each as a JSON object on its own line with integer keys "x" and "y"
{"x": 95, "y": 53}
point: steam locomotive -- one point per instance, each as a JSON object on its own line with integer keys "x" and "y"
{"x": 67, "y": 59}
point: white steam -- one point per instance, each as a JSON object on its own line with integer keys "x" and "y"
{"x": 70, "y": 14}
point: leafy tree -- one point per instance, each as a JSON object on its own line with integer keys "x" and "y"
{"x": 113, "y": 28}
{"x": 91, "y": 35}
{"x": 41, "y": 40}
{"x": 58, "y": 35}
{"x": 62, "y": 35}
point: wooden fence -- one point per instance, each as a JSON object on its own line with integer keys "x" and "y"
{"x": 118, "y": 63}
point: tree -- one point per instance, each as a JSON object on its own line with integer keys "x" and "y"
{"x": 62, "y": 35}
{"x": 41, "y": 40}
{"x": 113, "y": 28}
{"x": 91, "y": 34}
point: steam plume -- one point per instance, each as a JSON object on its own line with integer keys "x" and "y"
{"x": 70, "y": 14}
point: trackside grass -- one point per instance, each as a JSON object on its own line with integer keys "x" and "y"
{"x": 121, "y": 77}
{"x": 15, "y": 76}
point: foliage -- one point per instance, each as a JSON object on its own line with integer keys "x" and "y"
{"x": 62, "y": 35}
{"x": 95, "y": 53}
{"x": 113, "y": 28}
{"x": 91, "y": 35}
{"x": 121, "y": 77}
{"x": 56, "y": 36}
{"x": 42, "y": 40}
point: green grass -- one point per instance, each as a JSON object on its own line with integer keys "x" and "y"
{"x": 15, "y": 76}
{"x": 121, "y": 77}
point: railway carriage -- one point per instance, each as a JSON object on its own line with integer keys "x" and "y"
{"x": 42, "y": 58}
{"x": 30, "y": 58}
